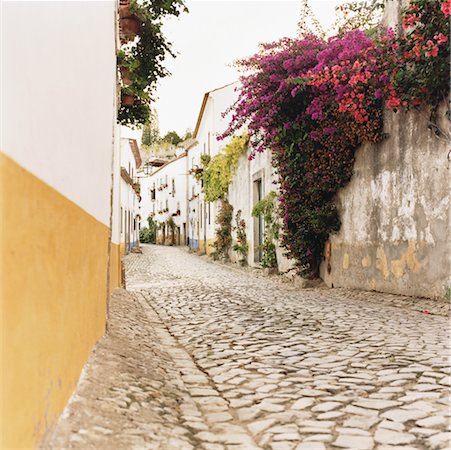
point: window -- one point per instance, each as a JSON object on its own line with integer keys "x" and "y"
{"x": 166, "y": 181}
{"x": 167, "y": 204}
{"x": 152, "y": 194}
{"x": 209, "y": 213}
{"x": 122, "y": 222}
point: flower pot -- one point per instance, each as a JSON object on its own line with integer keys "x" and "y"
{"x": 124, "y": 10}
{"x": 128, "y": 100}
{"x": 125, "y": 75}
{"x": 130, "y": 26}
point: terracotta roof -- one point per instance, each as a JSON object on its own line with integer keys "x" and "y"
{"x": 135, "y": 151}
{"x": 126, "y": 176}
{"x": 156, "y": 162}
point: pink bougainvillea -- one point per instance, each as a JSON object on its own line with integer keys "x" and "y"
{"x": 313, "y": 103}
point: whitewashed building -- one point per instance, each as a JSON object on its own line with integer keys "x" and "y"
{"x": 210, "y": 124}
{"x": 58, "y": 139}
{"x": 253, "y": 181}
{"x": 164, "y": 194}
{"x": 129, "y": 191}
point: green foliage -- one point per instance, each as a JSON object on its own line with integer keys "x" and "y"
{"x": 143, "y": 58}
{"x": 223, "y": 240}
{"x": 218, "y": 172}
{"x": 148, "y": 235}
{"x": 151, "y": 131}
{"x": 188, "y": 135}
{"x": 241, "y": 246}
{"x": 172, "y": 138}
{"x": 267, "y": 209}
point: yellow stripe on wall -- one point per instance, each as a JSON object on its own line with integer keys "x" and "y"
{"x": 115, "y": 266}
{"x": 53, "y": 293}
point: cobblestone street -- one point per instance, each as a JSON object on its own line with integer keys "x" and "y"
{"x": 201, "y": 356}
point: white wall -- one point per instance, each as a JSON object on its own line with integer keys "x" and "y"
{"x": 129, "y": 199}
{"x": 211, "y": 126}
{"x": 116, "y": 201}
{"x": 61, "y": 142}
{"x": 174, "y": 170}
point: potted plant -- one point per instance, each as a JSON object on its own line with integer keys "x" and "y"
{"x": 144, "y": 57}
{"x": 125, "y": 76}
{"x": 130, "y": 27}
{"x": 124, "y": 9}
{"x": 127, "y": 100}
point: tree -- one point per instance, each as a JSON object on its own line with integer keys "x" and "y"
{"x": 172, "y": 137}
{"x": 188, "y": 134}
{"x": 151, "y": 130}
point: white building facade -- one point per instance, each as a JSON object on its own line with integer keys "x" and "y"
{"x": 58, "y": 138}
{"x": 210, "y": 124}
{"x": 130, "y": 197}
{"x": 164, "y": 195}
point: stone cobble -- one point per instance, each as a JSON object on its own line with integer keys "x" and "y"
{"x": 297, "y": 369}
{"x": 130, "y": 395}
{"x": 199, "y": 356}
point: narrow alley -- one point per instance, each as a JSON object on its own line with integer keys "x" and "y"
{"x": 202, "y": 356}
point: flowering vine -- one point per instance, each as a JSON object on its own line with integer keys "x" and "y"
{"x": 314, "y": 102}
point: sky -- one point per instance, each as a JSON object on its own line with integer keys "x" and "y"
{"x": 209, "y": 38}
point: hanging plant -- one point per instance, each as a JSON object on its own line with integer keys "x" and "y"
{"x": 143, "y": 58}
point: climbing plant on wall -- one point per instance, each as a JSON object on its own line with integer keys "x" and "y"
{"x": 223, "y": 236}
{"x": 314, "y": 102}
{"x": 218, "y": 171}
{"x": 267, "y": 209}
{"x": 240, "y": 246}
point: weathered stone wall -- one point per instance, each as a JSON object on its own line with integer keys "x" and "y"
{"x": 396, "y": 215}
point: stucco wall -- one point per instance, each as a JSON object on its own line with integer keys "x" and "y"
{"x": 58, "y": 120}
{"x": 396, "y": 216}
{"x": 176, "y": 171}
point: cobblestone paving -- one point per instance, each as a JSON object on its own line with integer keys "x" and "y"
{"x": 199, "y": 356}
{"x": 130, "y": 395}
{"x": 289, "y": 369}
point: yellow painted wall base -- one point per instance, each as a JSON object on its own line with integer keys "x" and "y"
{"x": 53, "y": 293}
{"x": 210, "y": 247}
{"x": 115, "y": 266}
